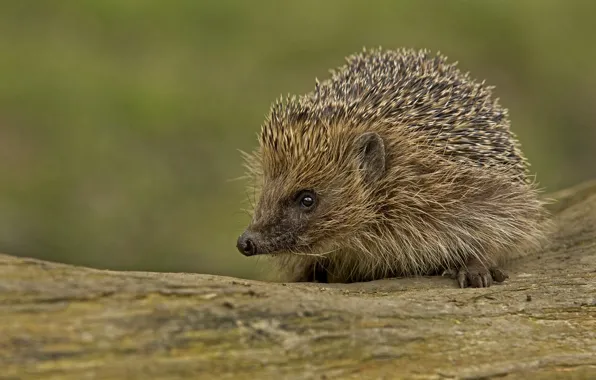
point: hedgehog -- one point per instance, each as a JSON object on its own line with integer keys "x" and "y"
{"x": 397, "y": 165}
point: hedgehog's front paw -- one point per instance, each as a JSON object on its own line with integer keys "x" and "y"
{"x": 476, "y": 275}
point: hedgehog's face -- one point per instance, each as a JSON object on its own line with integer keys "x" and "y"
{"x": 281, "y": 223}
{"x": 303, "y": 209}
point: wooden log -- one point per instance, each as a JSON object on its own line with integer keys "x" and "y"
{"x": 66, "y": 322}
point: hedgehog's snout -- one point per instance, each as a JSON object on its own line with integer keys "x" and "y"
{"x": 246, "y": 244}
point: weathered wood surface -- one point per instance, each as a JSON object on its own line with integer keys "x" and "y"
{"x": 65, "y": 322}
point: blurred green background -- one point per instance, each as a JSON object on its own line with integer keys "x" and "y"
{"x": 120, "y": 120}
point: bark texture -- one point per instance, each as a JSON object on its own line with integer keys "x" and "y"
{"x": 66, "y": 322}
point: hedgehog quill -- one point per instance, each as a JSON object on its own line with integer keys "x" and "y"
{"x": 397, "y": 165}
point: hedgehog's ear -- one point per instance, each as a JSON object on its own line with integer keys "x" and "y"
{"x": 370, "y": 151}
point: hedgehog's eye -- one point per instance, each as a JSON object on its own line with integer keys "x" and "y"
{"x": 306, "y": 199}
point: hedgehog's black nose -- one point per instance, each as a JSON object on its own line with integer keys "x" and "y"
{"x": 246, "y": 245}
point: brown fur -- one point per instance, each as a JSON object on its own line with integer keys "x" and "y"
{"x": 448, "y": 182}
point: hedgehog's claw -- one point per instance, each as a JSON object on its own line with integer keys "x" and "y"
{"x": 498, "y": 274}
{"x": 450, "y": 272}
{"x": 462, "y": 278}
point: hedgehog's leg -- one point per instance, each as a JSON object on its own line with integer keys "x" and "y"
{"x": 311, "y": 272}
{"x": 319, "y": 273}
{"x": 476, "y": 274}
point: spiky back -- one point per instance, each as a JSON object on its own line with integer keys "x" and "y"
{"x": 407, "y": 89}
